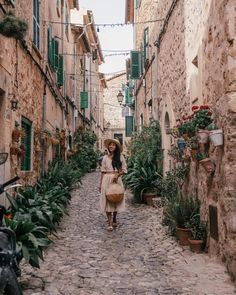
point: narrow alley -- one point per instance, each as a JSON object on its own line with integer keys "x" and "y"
{"x": 136, "y": 258}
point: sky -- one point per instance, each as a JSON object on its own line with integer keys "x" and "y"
{"x": 111, "y": 38}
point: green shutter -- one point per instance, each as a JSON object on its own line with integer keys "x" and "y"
{"x": 56, "y": 55}
{"x": 129, "y": 125}
{"x": 50, "y": 52}
{"x": 145, "y": 44}
{"x": 60, "y": 72}
{"x": 95, "y": 54}
{"x": 137, "y": 3}
{"x": 135, "y": 65}
{"x": 26, "y": 141}
{"x": 83, "y": 99}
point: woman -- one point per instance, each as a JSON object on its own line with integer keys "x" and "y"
{"x": 113, "y": 167}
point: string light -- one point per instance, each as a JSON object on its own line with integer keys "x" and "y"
{"x": 106, "y": 25}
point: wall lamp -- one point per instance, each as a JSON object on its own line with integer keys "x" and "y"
{"x": 14, "y": 103}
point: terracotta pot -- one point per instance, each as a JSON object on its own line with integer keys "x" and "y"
{"x": 203, "y": 135}
{"x": 148, "y": 198}
{"x": 16, "y": 134}
{"x": 183, "y": 234}
{"x": 208, "y": 165}
{"x": 193, "y": 154}
{"x": 196, "y": 245}
{"x": 216, "y": 137}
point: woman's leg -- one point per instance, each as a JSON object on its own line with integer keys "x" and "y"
{"x": 109, "y": 217}
{"x": 114, "y": 217}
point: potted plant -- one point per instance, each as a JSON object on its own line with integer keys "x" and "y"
{"x": 12, "y": 26}
{"x": 199, "y": 233}
{"x": 192, "y": 143}
{"x": 201, "y": 120}
{"x": 187, "y": 129}
{"x": 175, "y": 153}
{"x": 206, "y": 162}
{"x": 215, "y": 134}
{"x": 178, "y": 213}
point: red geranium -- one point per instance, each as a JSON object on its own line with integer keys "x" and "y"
{"x": 194, "y": 108}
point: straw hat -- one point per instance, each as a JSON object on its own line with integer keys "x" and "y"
{"x": 108, "y": 141}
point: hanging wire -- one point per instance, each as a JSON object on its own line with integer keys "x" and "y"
{"x": 105, "y": 25}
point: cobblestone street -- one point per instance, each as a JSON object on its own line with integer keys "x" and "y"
{"x": 138, "y": 257}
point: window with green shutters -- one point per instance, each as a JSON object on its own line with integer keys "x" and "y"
{"x": 60, "y": 71}
{"x": 135, "y": 65}
{"x": 129, "y": 125}
{"x": 13, "y": 2}
{"x": 137, "y": 3}
{"x": 56, "y": 55}
{"x": 145, "y": 45}
{"x": 50, "y": 52}
{"x": 36, "y": 23}
{"x": 83, "y": 99}
{"x": 26, "y": 125}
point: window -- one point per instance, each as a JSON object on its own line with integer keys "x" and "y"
{"x": 59, "y": 7}
{"x": 13, "y": 2}
{"x": 36, "y": 23}
{"x": 26, "y": 125}
{"x": 137, "y": 3}
{"x": 135, "y": 64}
{"x": 60, "y": 72}
{"x": 129, "y": 126}
{"x": 145, "y": 45}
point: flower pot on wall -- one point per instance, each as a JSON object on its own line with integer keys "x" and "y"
{"x": 193, "y": 154}
{"x": 181, "y": 144}
{"x": 208, "y": 165}
{"x": 183, "y": 235}
{"x": 216, "y": 137}
{"x": 203, "y": 135}
{"x": 196, "y": 245}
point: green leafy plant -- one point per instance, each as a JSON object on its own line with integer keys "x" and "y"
{"x": 188, "y": 128}
{"x": 175, "y": 153}
{"x": 142, "y": 179}
{"x": 12, "y": 26}
{"x": 144, "y": 161}
{"x": 201, "y": 156}
{"x": 198, "y": 228}
{"x": 173, "y": 181}
{"x": 212, "y": 126}
{"x": 202, "y": 119}
{"x": 193, "y": 143}
{"x": 179, "y": 211}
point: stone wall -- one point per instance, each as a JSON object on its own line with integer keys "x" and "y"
{"x": 205, "y": 31}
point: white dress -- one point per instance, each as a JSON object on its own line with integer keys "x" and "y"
{"x": 105, "y": 205}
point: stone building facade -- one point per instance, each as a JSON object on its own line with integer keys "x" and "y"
{"x": 45, "y": 73}
{"x": 195, "y": 64}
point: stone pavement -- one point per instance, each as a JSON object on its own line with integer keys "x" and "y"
{"x": 136, "y": 258}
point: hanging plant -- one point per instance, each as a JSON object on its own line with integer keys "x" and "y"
{"x": 12, "y": 26}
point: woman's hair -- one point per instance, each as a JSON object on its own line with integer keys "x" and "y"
{"x": 116, "y": 162}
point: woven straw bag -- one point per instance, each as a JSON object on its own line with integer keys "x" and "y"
{"x": 115, "y": 193}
